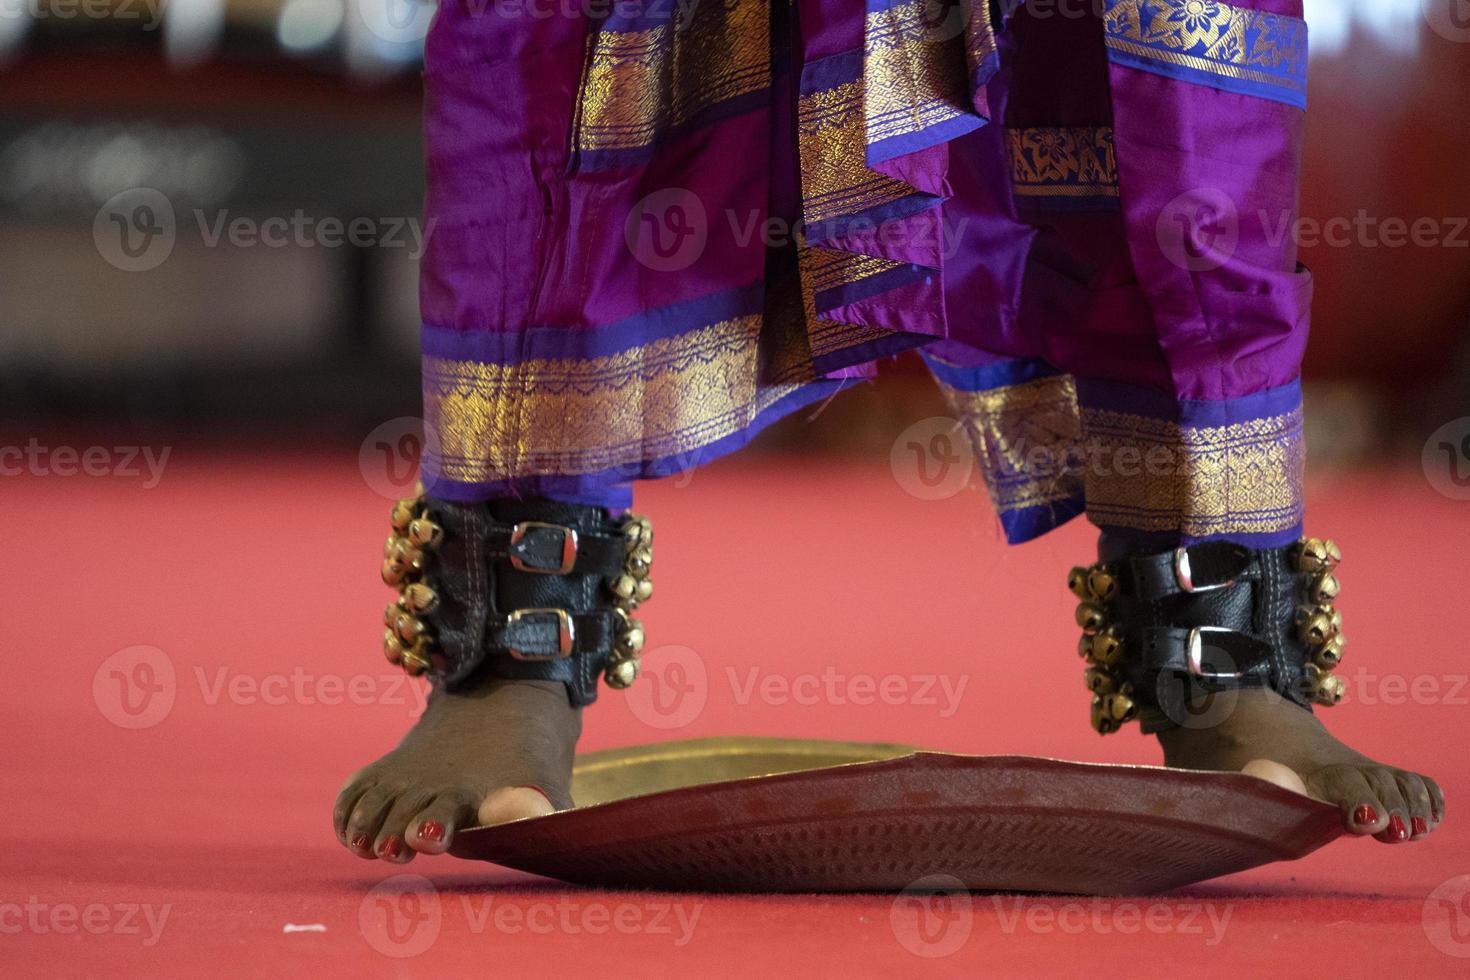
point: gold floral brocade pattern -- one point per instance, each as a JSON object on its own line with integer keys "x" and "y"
{"x": 1026, "y": 437}
{"x": 638, "y": 85}
{"x": 662, "y": 399}
{"x": 1076, "y": 161}
{"x": 1155, "y": 475}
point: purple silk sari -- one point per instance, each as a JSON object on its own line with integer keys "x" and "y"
{"x": 658, "y": 230}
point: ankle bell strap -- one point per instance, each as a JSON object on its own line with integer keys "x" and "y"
{"x": 570, "y": 582}
{"x": 1161, "y": 629}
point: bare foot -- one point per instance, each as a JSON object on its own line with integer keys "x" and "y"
{"x": 1263, "y": 734}
{"x": 500, "y": 752}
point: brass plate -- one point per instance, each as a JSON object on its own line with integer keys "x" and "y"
{"x": 775, "y": 815}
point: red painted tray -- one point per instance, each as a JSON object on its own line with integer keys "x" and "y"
{"x": 772, "y": 815}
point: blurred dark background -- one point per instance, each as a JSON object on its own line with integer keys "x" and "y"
{"x": 307, "y": 111}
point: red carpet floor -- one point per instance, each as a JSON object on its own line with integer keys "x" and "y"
{"x": 185, "y": 831}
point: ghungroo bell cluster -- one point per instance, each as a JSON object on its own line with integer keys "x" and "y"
{"x": 630, "y": 589}
{"x": 1111, "y": 647}
{"x": 1101, "y": 645}
{"x": 1318, "y": 622}
{"x": 408, "y": 638}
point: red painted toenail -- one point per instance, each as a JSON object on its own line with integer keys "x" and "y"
{"x": 1420, "y": 827}
{"x": 391, "y": 847}
{"x": 431, "y": 830}
{"x": 362, "y": 842}
{"x": 1396, "y": 828}
{"x": 1365, "y": 816}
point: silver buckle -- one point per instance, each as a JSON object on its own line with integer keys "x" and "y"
{"x": 566, "y": 634}
{"x": 1185, "y": 577}
{"x": 1196, "y": 654}
{"x": 568, "y": 547}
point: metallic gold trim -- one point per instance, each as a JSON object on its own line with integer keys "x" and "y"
{"x": 1027, "y": 438}
{"x": 1213, "y": 37}
{"x": 833, "y": 143}
{"x": 637, "y": 85}
{"x": 1152, "y": 474}
{"x": 913, "y": 77}
{"x": 1077, "y": 161}
{"x": 495, "y": 422}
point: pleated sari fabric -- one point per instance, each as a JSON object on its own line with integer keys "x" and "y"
{"x": 660, "y": 226}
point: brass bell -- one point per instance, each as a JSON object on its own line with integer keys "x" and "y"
{"x": 1314, "y": 625}
{"x": 1330, "y": 655}
{"x": 415, "y": 662}
{"x": 395, "y": 570}
{"x": 409, "y": 628}
{"x": 640, "y": 561}
{"x": 1077, "y": 582}
{"x": 1084, "y": 646}
{"x": 1316, "y": 555}
{"x": 1120, "y": 707}
{"x": 424, "y": 533}
{"x": 402, "y": 514}
{"x": 1100, "y": 720}
{"x": 1325, "y": 588}
{"x": 622, "y": 673}
{"x": 1099, "y": 681}
{"x": 1330, "y": 690}
{"x": 1090, "y": 617}
{"x": 643, "y": 591}
{"x": 420, "y": 598}
{"x": 1107, "y": 647}
{"x": 1336, "y": 616}
{"x": 392, "y": 647}
{"x": 391, "y": 546}
{"x": 1103, "y": 585}
{"x": 630, "y": 638}
{"x": 391, "y": 614}
{"x": 624, "y": 586}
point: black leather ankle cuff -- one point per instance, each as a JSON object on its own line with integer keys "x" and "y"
{"x": 1162, "y": 629}
{"x": 521, "y": 589}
